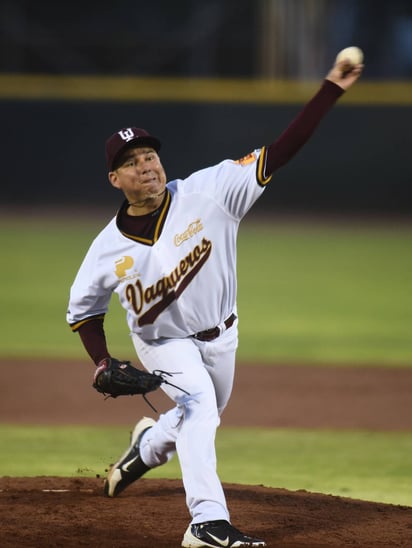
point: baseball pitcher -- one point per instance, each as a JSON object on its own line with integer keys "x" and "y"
{"x": 170, "y": 256}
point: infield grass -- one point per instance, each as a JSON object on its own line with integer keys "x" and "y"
{"x": 308, "y": 292}
{"x": 361, "y": 465}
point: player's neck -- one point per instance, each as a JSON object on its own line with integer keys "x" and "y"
{"x": 150, "y": 205}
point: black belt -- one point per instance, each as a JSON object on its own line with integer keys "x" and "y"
{"x": 214, "y": 332}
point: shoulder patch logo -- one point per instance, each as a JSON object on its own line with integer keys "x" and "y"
{"x": 123, "y": 264}
{"x": 248, "y": 159}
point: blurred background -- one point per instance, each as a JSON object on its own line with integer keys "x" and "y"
{"x": 212, "y": 79}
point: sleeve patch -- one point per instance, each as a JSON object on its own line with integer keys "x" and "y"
{"x": 246, "y": 160}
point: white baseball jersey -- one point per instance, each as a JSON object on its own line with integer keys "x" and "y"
{"x": 185, "y": 280}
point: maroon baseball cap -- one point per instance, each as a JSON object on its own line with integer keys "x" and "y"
{"x": 125, "y": 138}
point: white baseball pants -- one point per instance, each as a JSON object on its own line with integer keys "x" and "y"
{"x": 206, "y": 371}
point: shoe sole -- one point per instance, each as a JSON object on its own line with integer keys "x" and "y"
{"x": 193, "y": 542}
{"x": 140, "y": 427}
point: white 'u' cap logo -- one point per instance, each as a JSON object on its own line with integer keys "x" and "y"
{"x": 127, "y": 134}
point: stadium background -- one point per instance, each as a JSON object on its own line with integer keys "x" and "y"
{"x": 212, "y": 80}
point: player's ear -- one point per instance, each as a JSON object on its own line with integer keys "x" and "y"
{"x": 114, "y": 179}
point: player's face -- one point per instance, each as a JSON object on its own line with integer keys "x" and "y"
{"x": 141, "y": 177}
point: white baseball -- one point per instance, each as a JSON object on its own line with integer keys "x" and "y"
{"x": 353, "y": 55}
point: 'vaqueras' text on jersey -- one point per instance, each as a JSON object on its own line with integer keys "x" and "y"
{"x": 185, "y": 281}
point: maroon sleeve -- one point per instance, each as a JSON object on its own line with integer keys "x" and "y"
{"x": 302, "y": 127}
{"x": 94, "y": 339}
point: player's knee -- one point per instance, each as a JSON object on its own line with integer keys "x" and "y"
{"x": 199, "y": 408}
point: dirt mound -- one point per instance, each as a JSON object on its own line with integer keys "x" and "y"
{"x": 71, "y": 512}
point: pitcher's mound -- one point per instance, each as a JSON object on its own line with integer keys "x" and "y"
{"x": 43, "y": 512}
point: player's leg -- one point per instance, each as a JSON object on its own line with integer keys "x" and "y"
{"x": 219, "y": 359}
{"x": 143, "y": 453}
{"x": 191, "y": 425}
{"x": 154, "y": 442}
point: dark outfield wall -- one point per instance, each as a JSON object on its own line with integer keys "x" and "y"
{"x": 360, "y": 158}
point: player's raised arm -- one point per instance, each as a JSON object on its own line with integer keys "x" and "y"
{"x": 342, "y": 76}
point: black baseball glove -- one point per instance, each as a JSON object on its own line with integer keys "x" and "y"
{"x": 120, "y": 378}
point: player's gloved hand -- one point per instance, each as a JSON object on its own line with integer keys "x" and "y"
{"x": 120, "y": 378}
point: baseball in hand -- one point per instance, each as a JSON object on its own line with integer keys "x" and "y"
{"x": 353, "y": 55}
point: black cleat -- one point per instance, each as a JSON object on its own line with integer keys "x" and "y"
{"x": 218, "y": 533}
{"x": 130, "y": 466}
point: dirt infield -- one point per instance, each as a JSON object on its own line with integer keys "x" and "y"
{"x": 47, "y": 512}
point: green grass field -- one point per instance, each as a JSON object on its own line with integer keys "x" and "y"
{"x": 363, "y": 465}
{"x": 324, "y": 293}
{"x": 308, "y": 293}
